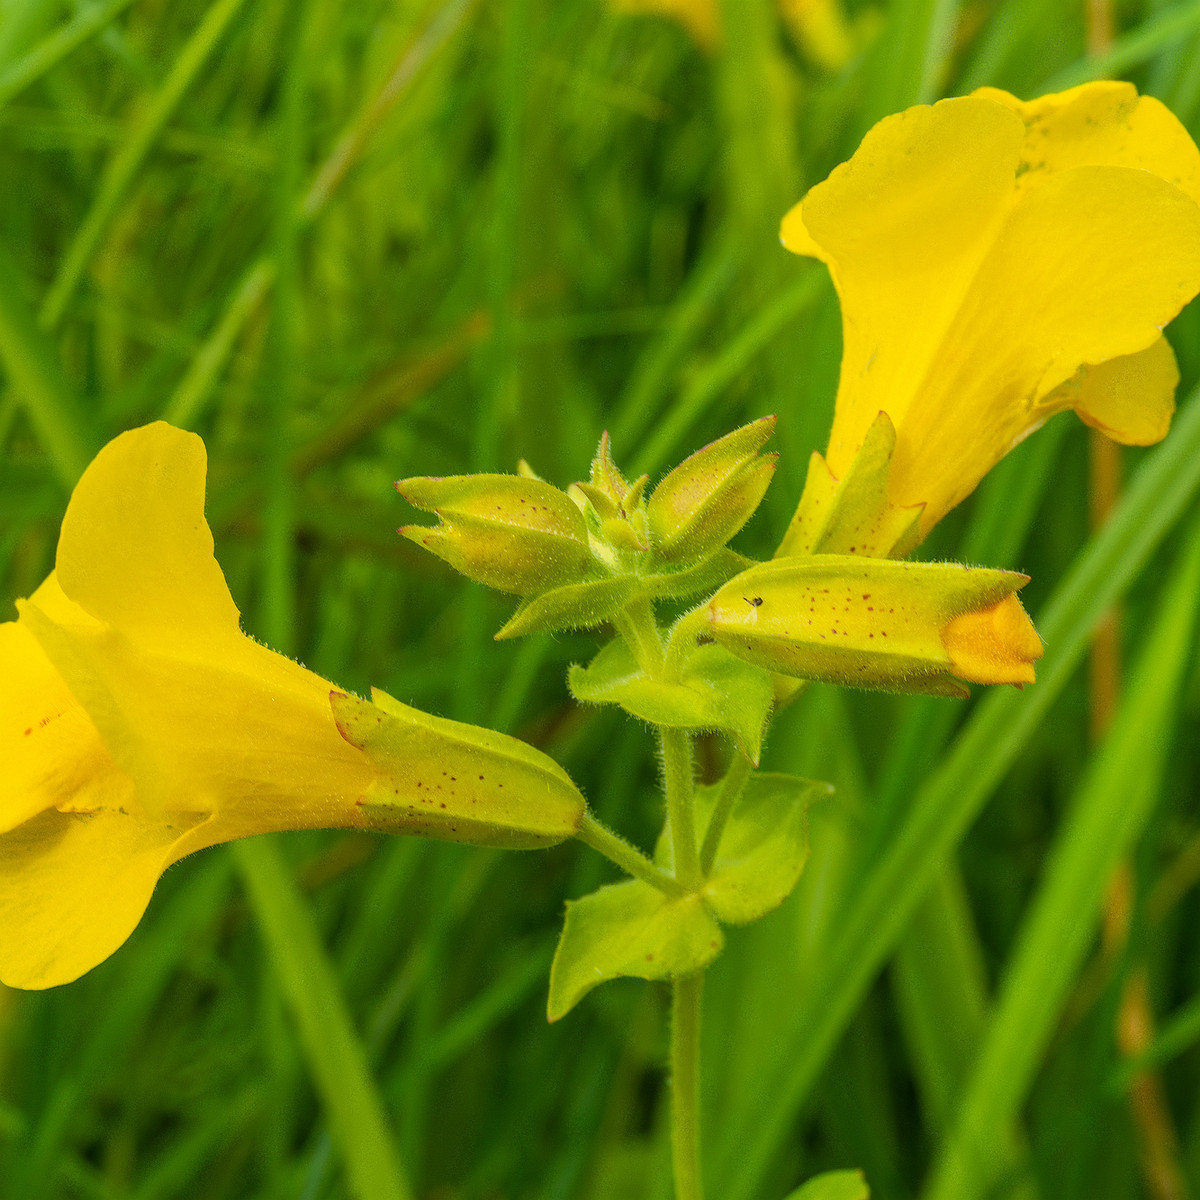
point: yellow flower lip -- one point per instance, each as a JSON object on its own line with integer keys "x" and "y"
{"x": 993, "y": 645}
{"x": 998, "y": 262}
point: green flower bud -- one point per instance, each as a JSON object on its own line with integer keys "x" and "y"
{"x": 443, "y": 779}
{"x": 876, "y": 623}
{"x": 701, "y": 504}
{"x": 618, "y": 508}
{"x": 513, "y": 533}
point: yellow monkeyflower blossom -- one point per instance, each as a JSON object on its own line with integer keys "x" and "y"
{"x": 139, "y": 724}
{"x": 998, "y": 262}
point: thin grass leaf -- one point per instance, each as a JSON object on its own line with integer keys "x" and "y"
{"x": 34, "y": 374}
{"x": 125, "y": 164}
{"x": 1107, "y": 817}
{"x": 51, "y": 50}
{"x": 332, "y": 1048}
{"x": 1131, "y": 49}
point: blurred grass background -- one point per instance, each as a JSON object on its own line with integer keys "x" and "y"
{"x": 353, "y": 242}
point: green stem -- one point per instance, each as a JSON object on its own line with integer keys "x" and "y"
{"x": 627, "y": 857}
{"x": 637, "y": 626}
{"x": 682, "y": 641}
{"x": 731, "y": 789}
{"x": 677, "y": 769}
{"x": 685, "y": 1086}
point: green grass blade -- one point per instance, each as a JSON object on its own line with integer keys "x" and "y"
{"x": 1106, "y": 818}
{"x": 1132, "y": 49}
{"x": 49, "y": 52}
{"x": 952, "y": 797}
{"x": 708, "y": 385}
{"x": 34, "y": 373}
{"x": 332, "y": 1048}
{"x": 125, "y": 164}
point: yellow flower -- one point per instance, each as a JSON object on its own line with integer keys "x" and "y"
{"x": 139, "y": 724}
{"x": 998, "y": 262}
{"x": 818, "y": 27}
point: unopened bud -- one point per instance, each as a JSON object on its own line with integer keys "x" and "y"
{"x": 513, "y": 533}
{"x": 701, "y": 504}
{"x": 876, "y": 623}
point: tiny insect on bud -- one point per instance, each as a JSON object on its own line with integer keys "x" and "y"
{"x": 513, "y": 533}
{"x": 705, "y": 500}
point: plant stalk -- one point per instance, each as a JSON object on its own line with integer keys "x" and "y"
{"x": 732, "y": 787}
{"x": 677, "y": 770}
{"x": 685, "y": 1086}
{"x": 629, "y": 858}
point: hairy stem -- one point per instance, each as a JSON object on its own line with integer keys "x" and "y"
{"x": 685, "y": 1086}
{"x": 637, "y": 626}
{"x": 683, "y": 640}
{"x": 731, "y": 789}
{"x": 677, "y": 770}
{"x": 629, "y": 858}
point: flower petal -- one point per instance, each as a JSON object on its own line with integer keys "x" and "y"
{"x": 1130, "y": 398}
{"x": 1105, "y": 123}
{"x": 904, "y": 226}
{"x": 1089, "y": 267}
{"x": 993, "y": 645}
{"x": 72, "y": 888}
{"x": 135, "y": 549}
{"x": 53, "y": 756}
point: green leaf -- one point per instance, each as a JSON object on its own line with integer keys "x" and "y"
{"x": 629, "y": 929}
{"x": 764, "y": 847}
{"x": 833, "y": 1185}
{"x": 332, "y": 1047}
{"x": 575, "y": 606}
{"x": 717, "y": 691}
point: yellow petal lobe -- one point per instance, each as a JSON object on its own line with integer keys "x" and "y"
{"x": 993, "y": 645}
{"x": 135, "y": 549}
{"x": 72, "y": 889}
{"x": 1130, "y": 398}
{"x": 1105, "y": 123}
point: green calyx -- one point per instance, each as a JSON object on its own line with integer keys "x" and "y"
{"x": 705, "y": 500}
{"x": 454, "y": 782}
{"x": 513, "y": 533}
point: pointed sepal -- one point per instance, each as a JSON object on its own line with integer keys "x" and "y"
{"x": 853, "y": 515}
{"x": 705, "y": 500}
{"x": 455, "y": 782}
